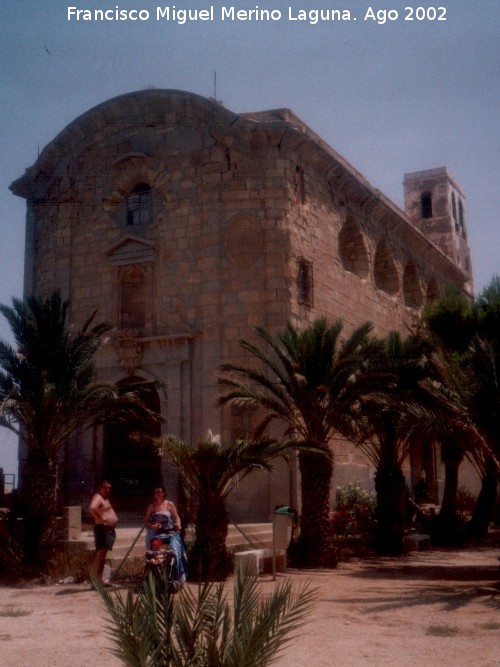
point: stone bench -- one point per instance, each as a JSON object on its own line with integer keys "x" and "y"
{"x": 260, "y": 561}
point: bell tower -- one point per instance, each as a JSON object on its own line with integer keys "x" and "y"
{"x": 435, "y": 202}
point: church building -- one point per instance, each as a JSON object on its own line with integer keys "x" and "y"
{"x": 187, "y": 225}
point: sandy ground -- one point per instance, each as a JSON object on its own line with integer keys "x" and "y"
{"x": 429, "y": 609}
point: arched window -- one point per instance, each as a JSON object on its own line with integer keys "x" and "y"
{"x": 132, "y": 298}
{"x": 352, "y": 249}
{"x": 412, "y": 291}
{"x": 426, "y": 204}
{"x": 385, "y": 272}
{"x": 432, "y": 293}
{"x": 140, "y": 205}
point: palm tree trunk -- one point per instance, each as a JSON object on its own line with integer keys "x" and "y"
{"x": 208, "y": 559}
{"x": 485, "y": 502}
{"x": 39, "y": 508}
{"x": 447, "y": 527}
{"x": 315, "y": 544}
{"x": 391, "y": 513}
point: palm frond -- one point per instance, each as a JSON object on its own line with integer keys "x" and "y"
{"x": 200, "y": 628}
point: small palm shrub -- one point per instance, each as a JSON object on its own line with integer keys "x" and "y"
{"x": 208, "y": 473}
{"x": 199, "y": 627}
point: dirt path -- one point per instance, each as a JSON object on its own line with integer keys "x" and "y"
{"x": 427, "y": 609}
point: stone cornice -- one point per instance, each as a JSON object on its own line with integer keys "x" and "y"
{"x": 134, "y": 336}
{"x": 129, "y": 345}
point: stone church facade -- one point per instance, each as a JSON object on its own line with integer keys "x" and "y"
{"x": 187, "y": 225}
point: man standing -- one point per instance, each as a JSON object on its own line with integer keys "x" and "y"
{"x": 104, "y": 528}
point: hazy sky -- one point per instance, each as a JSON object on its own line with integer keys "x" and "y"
{"x": 391, "y": 97}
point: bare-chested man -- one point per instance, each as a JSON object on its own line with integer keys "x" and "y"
{"x": 104, "y": 528}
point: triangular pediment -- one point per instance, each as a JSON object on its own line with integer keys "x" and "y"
{"x": 131, "y": 250}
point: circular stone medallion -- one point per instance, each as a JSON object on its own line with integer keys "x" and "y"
{"x": 244, "y": 240}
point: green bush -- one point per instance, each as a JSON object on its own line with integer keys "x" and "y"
{"x": 355, "y": 511}
{"x": 466, "y": 503}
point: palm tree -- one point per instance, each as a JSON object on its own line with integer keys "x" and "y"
{"x": 452, "y": 320}
{"x": 386, "y": 429}
{"x": 485, "y": 365}
{"x": 309, "y": 382}
{"x": 208, "y": 473}
{"x": 48, "y": 394}
{"x": 485, "y": 407}
{"x": 448, "y": 417}
{"x": 467, "y": 337}
{"x": 201, "y": 628}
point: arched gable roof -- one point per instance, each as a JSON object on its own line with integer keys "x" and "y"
{"x": 139, "y": 109}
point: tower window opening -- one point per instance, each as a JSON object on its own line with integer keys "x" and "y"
{"x": 426, "y": 205}
{"x": 460, "y": 213}
{"x": 453, "y": 206}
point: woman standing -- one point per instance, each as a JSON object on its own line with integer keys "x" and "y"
{"x": 162, "y": 521}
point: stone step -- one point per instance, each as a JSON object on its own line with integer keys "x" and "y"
{"x": 256, "y": 536}
{"x": 124, "y": 539}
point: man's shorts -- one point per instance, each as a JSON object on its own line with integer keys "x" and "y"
{"x": 104, "y": 537}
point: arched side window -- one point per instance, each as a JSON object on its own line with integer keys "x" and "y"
{"x": 432, "y": 293}
{"x": 385, "y": 272}
{"x": 132, "y": 298}
{"x": 426, "y": 204}
{"x": 140, "y": 205}
{"x": 412, "y": 291}
{"x": 352, "y": 249}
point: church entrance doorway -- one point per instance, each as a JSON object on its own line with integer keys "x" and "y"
{"x": 131, "y": 463}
